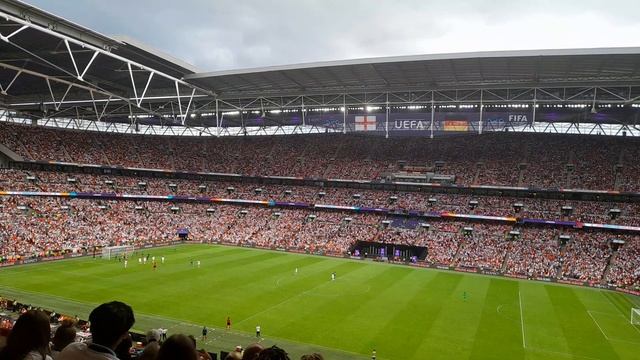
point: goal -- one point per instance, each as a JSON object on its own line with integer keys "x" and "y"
{"x": 111, "y": 251}
{"x": 635, "y": 316}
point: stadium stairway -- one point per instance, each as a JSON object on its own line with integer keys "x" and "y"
{"x": 24, "y": 149}
{"x": 333, "y": 159}
{"x": 618, "y": 177}
{"x": 136, "y": 154}
{"x": 618, "y": 171}
{"x": 455, "y": 258}
{"x": 520, "y": 177}
{"x": 607, "y": 269}
{"x": 479, "y": 168}
{"x": 503, "y": 268}
{"x": 103, "y": 154}
{"x": 202, "y": 160}
{"x": 66, "y": 153}
{"x": 569, "y": 169}
{"x": 558, "y": 273}
{"x": 173, "y": 152}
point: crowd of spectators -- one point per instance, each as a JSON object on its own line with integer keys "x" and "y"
{"x": 442, "y": 247}
{"x": 625, "y": 266}
{"x": 535, "y": 253}
{"x": 484, "y": 246}
{"x": 37, "y": 227}
{"x": 37, "y": 334}
{"x": 570, "y": 210}
{"x": 34, "y": 227}
{"x": 532, "y": 160}
{"x": 585, "y": 257}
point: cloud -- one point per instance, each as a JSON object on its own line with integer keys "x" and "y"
{"x": 228, "y": 34}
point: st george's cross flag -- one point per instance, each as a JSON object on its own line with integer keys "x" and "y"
{"x": 366, "y": 123}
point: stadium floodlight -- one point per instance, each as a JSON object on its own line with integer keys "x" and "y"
{"x": 635, "y": 316}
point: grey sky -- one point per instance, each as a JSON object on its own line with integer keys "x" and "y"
{"x": 227, "y": 34}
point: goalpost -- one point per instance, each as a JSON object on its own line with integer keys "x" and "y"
{"x": 635, "y": 316}
{"x": 111, "y": 251}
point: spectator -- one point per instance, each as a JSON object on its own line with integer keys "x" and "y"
{"x": 29, "y": 338}
{"x": 65, "y": 334}
{"x": 252, "y": 351}
{"x": 152, "y": 347}
{"x": 178, "y": 346}
{"x": 234, "y": 355}
{"x": 314, "y": 356}
{"x": 110, "y": 324}
{"x": 123, "y": 351}
{"x": 273, "y": 353}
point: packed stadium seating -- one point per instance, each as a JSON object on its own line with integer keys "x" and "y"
{"x": 46, "y": 226}
{"x": 540, "y": 161}
{"x": 49, "y": 226}
{"x": 584, "y": 211}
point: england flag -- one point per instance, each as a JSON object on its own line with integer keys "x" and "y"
{"x": 366, "y": 123}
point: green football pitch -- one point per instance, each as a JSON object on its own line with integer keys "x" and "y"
{"x": 402, "y": 312}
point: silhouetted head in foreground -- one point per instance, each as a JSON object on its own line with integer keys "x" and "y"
{"x": 110, "y": 323}
{"x": 273, "y": 353}
{"x": 30, "y": 333}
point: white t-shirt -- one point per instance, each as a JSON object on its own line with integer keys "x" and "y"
{"x": 258, "y": 328}
{"x": 80, "y": 351}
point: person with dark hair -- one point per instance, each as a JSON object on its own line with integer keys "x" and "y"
{"x": 273, "y": 353}
{"x": 152, "y": 347}
{"x": 177, "y": 346}
{"x": 123, "y": 350}
{"x": 29, "y": 338}
{"x": 314, "y": 356}
{"x": 252, "y": 351}
{"x": 193, "y": 339}
{"x": 65, "y": 334}
{"x": 110, "y": 324}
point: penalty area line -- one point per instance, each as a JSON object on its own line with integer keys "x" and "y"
{"x": 598, "y": 325}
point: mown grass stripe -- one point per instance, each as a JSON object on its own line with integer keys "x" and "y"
{"x": 582, "y": 334}
{"x": 419, "y": 311}
{"x": 404, "y": 312}
{"x": 499, "y": 336}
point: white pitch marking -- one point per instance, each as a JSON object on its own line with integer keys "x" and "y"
{"x": 598, "y": 325}
{"x": 572, "y": 356}
{"x": 524, "y": 343}
{"x": 280, "y": 303}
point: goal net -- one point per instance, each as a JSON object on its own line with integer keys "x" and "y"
{"x": 635, "y": 316}
{"x": 112, "y": 251}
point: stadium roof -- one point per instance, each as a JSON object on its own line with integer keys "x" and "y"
{"x": 51, "y": 65}
{"x": 40, "y": 44}
{"x": 570, "y": 67}
{"x": 53, "y": 69}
